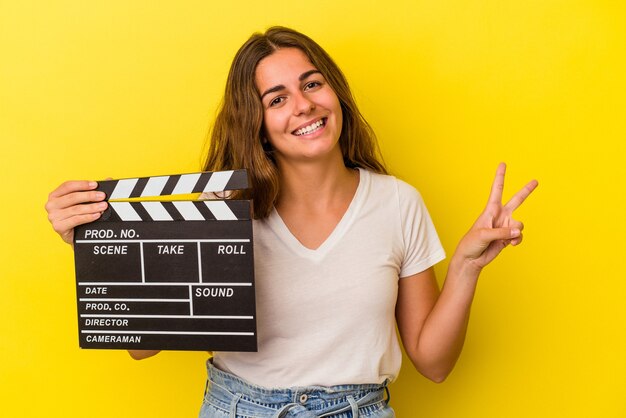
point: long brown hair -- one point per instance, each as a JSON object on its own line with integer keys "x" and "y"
{"x": 236, "y": 139}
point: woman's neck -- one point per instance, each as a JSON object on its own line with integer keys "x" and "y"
{"x": 316, "y": 184}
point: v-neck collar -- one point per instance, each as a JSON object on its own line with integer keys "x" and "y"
{"x": 281, "y": 229}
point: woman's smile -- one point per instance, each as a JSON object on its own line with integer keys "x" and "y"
{"x": 310, "y": 129}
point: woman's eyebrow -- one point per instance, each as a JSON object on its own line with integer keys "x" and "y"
{"x": 307, "y": 74}
{"x": 272, "y": 90}
{"x": 279, "y": 87}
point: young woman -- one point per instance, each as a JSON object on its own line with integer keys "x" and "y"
{"x": 343, "y": 251}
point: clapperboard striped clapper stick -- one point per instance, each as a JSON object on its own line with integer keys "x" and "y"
{"x": 169, "y": 275}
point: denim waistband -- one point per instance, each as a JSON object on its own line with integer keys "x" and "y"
{"x": 240, "y": 397}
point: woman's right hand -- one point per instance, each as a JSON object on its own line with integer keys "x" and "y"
{"x": 74, "y": 203}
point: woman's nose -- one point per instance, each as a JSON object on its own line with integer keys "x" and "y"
{"x": 303, "y": 104}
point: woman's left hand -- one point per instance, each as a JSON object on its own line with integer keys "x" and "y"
{"x": 494, "y": 229}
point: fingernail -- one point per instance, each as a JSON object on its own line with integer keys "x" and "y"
{"x": 93, "y": 184}
{"x": 101, "y": 206}
{"x": 515, "y": 232}
{"x": 100, "y": 195}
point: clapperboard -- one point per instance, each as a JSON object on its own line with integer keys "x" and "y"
{"x": 171, "y": 275}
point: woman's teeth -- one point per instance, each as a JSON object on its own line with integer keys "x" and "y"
{"x": 310, "y": 129}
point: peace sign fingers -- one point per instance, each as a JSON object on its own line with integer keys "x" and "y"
{"x": 520, "y": 196}
{"x": 495, "y": 228}
{"x": 498, "y": 185}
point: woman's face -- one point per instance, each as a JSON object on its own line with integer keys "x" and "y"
{"x": 302, "y": 114}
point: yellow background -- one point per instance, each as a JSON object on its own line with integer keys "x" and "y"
{"x": 128, "y": 88}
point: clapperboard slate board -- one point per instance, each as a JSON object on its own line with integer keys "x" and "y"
{"x": 171, "y": 275}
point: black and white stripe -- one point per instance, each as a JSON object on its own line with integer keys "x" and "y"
{"x": 206, "y": 210}
{"x": 205, "y": 182}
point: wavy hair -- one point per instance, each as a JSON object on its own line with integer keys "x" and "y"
{"x": 236, "y": 138}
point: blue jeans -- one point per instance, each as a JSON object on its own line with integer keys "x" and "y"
{"x": 228, "y": 396}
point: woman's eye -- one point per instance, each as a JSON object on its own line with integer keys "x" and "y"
{"x": 312, "y": 84}
{"x": 276, "y": 101}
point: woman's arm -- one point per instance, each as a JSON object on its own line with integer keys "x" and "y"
{"x": 433, "y": 325}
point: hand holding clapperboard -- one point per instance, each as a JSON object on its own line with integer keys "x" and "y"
{"x": 171, "y": 275}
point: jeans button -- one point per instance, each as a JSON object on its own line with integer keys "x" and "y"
{"x": 303, "y": 398}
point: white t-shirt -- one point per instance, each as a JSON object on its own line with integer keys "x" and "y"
{"x": 327, "y": 316}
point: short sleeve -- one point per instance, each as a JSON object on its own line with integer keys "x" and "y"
{"x": 422, "y": 248}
